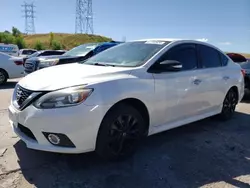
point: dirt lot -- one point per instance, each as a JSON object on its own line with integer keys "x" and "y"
{"x": 207, "y": 153}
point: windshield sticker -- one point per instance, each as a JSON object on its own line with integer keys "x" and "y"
{"x": 90, "y": 47}
{"x": 155, "y": 42}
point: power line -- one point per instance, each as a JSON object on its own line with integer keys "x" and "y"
{"x": 84, "y": 17}
{"x": 29, "y": 15}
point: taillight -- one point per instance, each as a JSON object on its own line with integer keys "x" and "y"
{"x": 18, "y": 62}
{"x": 243, "y": 72}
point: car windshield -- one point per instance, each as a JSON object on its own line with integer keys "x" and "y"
{"x": 129, "y": 54}
{"x": 81, "y": 50}
{"x": 245, "y": 65}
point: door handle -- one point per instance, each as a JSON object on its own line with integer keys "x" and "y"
{"x": 226, "y": 77}
{"x": 197, "y": 81}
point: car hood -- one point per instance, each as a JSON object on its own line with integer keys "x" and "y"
{"x": 62, "y": 76}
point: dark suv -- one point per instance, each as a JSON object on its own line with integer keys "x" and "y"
{"x": 79, "y": 53}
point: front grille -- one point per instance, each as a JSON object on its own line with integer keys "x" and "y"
{"x": 30, "y": 66}
{"x": 21, "y": 95}
{"x": 26, "y": 131}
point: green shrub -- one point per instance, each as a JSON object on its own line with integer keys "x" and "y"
{"x": 7, "y": 38}
{"x": 19, "y": 41}
{"x": 51, "y": 39}
{"x": 39, "y": 46}
{"x": 56, "y": 45}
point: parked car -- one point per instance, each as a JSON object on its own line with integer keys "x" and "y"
{"x": 26, "y": 52}
{"x": 43, "y": 53}
{"x": 9, "y": 68}
{"x": 79, "y": 53}
{"x": 114, "y": 99}
{"x": 10, "y": 49}
{"x": 245, "y": 65}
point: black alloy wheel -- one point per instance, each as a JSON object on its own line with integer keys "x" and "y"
{"x": 229, "y": 105}
{"x": 120, "y": 133}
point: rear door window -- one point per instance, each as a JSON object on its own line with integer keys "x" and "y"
{"x": 210, "y": 57}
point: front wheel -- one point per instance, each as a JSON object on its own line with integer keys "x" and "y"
{"x": 120, "y": 132}
{"x": 229, "y": 105}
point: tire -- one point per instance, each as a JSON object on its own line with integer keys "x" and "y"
{"x": 120, "y": 133}
{"x": 229, "y": 105}
{"x": 3, "y": 77}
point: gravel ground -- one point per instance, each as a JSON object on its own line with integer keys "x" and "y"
{"x": 208, "y": 153}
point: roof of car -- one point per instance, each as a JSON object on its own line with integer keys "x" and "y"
{"x": 110, "y": 43}
{"x": 172, "y": 39}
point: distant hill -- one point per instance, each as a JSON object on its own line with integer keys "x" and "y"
{"x": 245, "y": 55}
{"x": 68, "y": 41}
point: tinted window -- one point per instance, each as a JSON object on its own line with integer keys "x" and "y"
{"x": 28, "y": 52}
{"x": 224, "y": 59}
{"x": 185, "y": 53}
{"x": 209, "y": 57}
{"x": 59, "y": 53}
{"x": 49, "y": 53}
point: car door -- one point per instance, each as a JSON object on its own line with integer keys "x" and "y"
{"x": 215, "y": 76}
{"x": 180, "y": 92}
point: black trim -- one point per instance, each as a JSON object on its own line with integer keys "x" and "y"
{"x": 26, "y": 131}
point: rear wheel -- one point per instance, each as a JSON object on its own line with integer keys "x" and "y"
{"x": 3, "y": 77}
{"x": 120, "y": 133}
{"x": 229, "y": 105}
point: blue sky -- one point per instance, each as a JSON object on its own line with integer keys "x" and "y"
{"x": 225, "y": 23}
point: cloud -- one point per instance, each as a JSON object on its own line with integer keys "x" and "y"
{"x": 225, "y": 43}
{"x": 203, "y": 40}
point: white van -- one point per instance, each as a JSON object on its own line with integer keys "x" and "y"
{"x": 11, "y": 49}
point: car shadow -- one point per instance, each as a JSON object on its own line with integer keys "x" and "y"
{"x": 8, "y": 85}
{"x": 246, "y": 98}
{"x": 194, "y": 155}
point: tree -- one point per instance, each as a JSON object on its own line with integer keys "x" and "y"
{"x": 6, "y": 38}
{"x": 39, "y": 46}
{"x": 19, "y": 41}
{"x": 51, "y": 39}
{"x": 16, "y": 32}
{"x": 56, "y": 45}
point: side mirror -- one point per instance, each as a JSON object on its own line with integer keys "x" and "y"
{"x": 166, "y": 66}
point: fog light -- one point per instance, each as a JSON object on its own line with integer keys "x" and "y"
{"x": 59, "y": 139}
{"x": 54, "y": 139}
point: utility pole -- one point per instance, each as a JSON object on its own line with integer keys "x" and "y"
{"x": 29, "y": 15}
{"x": 84, "y": 17}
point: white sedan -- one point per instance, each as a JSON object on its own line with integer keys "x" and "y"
{"x": 10, "y": 67}
{"x": 110, "y": 102}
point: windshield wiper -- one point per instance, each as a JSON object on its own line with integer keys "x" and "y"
{"x": 104, "y": 64}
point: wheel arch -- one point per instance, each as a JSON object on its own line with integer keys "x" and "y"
{"x": 236, "y": 90}
{"x": 5, "y": 72}
{"x": 138, "y": 105}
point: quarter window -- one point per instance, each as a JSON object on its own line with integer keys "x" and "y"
{"x": 210, "y": 57}
{"x": 224, "y": 59}
{"x": 185, "y": 54}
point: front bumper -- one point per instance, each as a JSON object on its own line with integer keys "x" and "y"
{"x": 79, "y": 123}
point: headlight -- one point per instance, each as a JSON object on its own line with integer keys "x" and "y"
{"x": 63, "y": 98}
{"x": 49, "y": 62}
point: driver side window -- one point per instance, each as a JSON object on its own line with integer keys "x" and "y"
{"x": 185, "y": 54}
